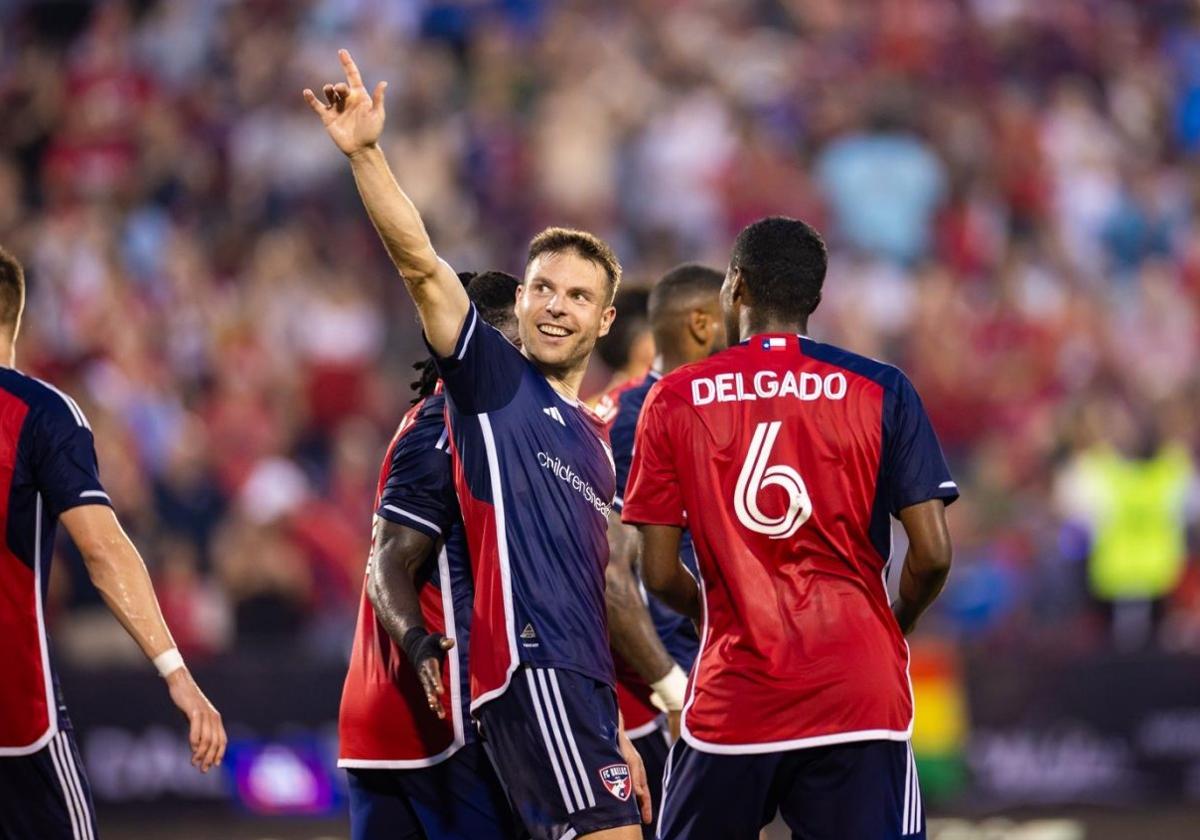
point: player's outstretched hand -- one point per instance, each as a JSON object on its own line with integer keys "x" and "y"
{"x": 426, "y": 651}
{"x": 206, "y": 733}
{"x": 353, "y": 117}
{"x": 430, "y": 673}
{"x": 637, "y": 772}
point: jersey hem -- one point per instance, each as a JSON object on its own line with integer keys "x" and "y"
{"x": 90, "y": 500}
{"x": 495, "y": 693}
{"x": 30, "y": 749}
{"x": 645, "y": 729}
{"x": 797, "y": 743}
{"x": 402, "y": 763}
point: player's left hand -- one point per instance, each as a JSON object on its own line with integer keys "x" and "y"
{"x": 430, "y": 673}
{"x": 637, "y": 772}
{"x": 206, "y": 732}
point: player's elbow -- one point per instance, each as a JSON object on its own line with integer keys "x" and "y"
{"x": 659, "y": 578}
{"x": 933, "y": 557}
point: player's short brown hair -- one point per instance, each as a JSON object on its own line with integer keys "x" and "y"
{"x": 559, "y": 240}
{"x": 12, "y": 291}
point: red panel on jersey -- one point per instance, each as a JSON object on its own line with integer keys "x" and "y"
{"x": 384, "y": 716}
{"x": 491, "y": 637}
{"x": 384, "y": 719}
{"x": 773, "y": 457}
{"x": 24, "y": 712}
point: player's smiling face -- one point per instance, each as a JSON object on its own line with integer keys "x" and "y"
{"x": 562, "y": 308}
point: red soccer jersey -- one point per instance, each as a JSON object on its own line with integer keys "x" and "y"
{"x": 384, "y": 721}
{"x": 47, "y": 467}
{"x": 785, "y": 458}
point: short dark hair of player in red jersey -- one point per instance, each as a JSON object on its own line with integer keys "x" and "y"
{"x": 558, "y": 240}
{"x": 12, "y": 292}
{"x": 782, "y": 261}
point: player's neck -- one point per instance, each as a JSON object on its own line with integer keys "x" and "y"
{"x": 8, "y": 353}
{"x": 759, "y": 325}
{"x": 566, "y": 383}
{"x": 666, "y": 362}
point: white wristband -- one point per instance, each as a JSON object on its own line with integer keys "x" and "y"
{"x": 168, "y": 662}
{"x": 669, "y": 692}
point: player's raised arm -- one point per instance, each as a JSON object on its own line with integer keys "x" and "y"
{"x": 396, "y": 556}
{"x": 117, "y": 570}
{"x": 927, "y": 563}
{"x": 354, "y": 119}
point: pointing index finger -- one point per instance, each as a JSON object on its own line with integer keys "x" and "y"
{"x": 352, "y": 74}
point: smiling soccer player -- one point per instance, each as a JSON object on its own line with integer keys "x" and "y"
{"x": 535, "y": 481}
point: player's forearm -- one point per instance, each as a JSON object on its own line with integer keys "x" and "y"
{"x": 118, "y": 573}
{"x": 392, "y": 590}
{"x": 630, "y": 628}
{"x": 395, "y": 218}
{"x": 920, "y": 584}
{"x": 927, "y": 563}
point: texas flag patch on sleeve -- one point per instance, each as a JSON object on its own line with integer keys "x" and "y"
{"x": 616, "y": 780}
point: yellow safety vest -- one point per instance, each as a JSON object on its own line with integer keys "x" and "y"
{"x": 1138, "y": 549}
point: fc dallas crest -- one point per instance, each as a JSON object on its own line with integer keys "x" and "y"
{"x": 616, "y": 779}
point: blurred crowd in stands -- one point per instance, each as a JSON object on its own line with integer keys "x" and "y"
{"x": 1009, "y": 189}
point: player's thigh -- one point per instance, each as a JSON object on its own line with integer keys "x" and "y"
{"x": 552, "y": 736}
{"x": 45, "y": 795}
{"x": 379, "y": 808}
{"x": 654, "y": 748}
{"x": 460, "y": 798}
{"x": 859, "y": 791}
{"x": 716, "y": 797}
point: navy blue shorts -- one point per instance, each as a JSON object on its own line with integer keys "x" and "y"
{"x": 859, "y": 791}
{"x": 45, "y": 795}
{"x": 654, "y": 748}
{"x": 553, "y": 738}
{"x": 457, "y": 799}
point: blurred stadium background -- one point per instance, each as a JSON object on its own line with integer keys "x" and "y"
{"x": 1009, "y": 188}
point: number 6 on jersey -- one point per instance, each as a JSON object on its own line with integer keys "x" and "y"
{"x": 756, "y": 475}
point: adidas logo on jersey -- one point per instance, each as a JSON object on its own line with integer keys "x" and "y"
{"x": 529, "y": 637}
{"x": 553, "y": 413}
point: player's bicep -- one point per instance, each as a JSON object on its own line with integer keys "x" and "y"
{"x": 397, "y": 549}
{"x": 95, "y": 531}
{"x": 443, "y": 305}
{"x": 928, "y": 535}
{"x": 660, "y": 555}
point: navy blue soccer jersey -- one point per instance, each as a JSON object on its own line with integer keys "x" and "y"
{"x": 384, "y": 721}
{"x": 535, "y": 483}
{"x": 620, "y": 409}
{"x": 47, "y": 466}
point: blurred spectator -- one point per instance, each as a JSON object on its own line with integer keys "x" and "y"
{"x": 1008, "y": 190}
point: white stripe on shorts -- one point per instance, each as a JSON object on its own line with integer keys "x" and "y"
{"x": 559, "y": 726}
{"x": 550, "y": 747}
{"x": 591, "y": 797}
{"x": 59, "y": 755}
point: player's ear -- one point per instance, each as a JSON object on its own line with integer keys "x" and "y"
{"x": 700, "y": 326}
{"x": 606, "y": 320}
